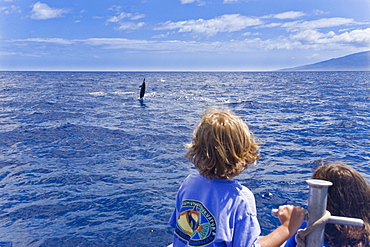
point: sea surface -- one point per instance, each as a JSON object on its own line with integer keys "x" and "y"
{"x": 83, "y": 162}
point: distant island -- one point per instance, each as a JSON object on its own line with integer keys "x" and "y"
{"x": 353, "y": 62}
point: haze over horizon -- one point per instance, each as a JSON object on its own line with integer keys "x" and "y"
{"x": 182, "y": 35}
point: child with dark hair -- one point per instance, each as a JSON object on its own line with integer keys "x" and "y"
{"x": 349, "y": 196}
{"x": 212, "y": 209}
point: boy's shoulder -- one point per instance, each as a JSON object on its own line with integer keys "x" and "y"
{"x": 218, "y": 184}
{"x": 214, "y": 181}
{"x": 199, "y": 188}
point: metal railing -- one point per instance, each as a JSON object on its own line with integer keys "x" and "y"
{"x": 318, "y": 190}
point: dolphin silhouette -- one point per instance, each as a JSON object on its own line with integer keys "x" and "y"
{"x": 194, "y": 224}
{"x": 142, "y": 91}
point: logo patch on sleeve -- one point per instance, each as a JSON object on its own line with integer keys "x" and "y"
{"x": 195, "y": 224}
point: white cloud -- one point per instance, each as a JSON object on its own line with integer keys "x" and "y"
{"x": 130, "y": 25}
{"x": 22, "y": 54}
{"x": 312, "y": 36}
{"x": 251, "y": 34}
{"x": 315, "y": 24}
{"x": 125, "y": 20}
{"x": 271, "y": 25}
{"x": 200, "y": 2}
{"x": 356, "y": 37}
{"x": 117, "y": 43}
{"x": 326, "y": 22}
{"x": 315, "y": 55}
{"x": 5, "y": 53}
{"x": 9, "y": 10}
{"x": 160, "y": 36}
{"x": 224, "y": 23}
{"x": 289, "y": 15}
{"x": 57, "y": 41}
{"x": 140, "y": 45}
{"x": 285, "y": 15}
{"x": 133, "y": 45}
{"x": 170, "y": 46}
{"x": 305, "y": 40}
{"x": 230, "y": 1}
{"x": 122, "y": 16}
{"x": 137, "y": 17}
{"x": 320, "y": 12}
{"x": 313, "y": 39}
{"x": 42, "y": 11}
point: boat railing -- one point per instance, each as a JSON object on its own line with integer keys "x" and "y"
{"x": 317, "y": 199}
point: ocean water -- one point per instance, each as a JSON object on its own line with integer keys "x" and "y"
{"x": 83, "y": 162}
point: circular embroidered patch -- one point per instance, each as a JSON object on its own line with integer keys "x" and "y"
{"x": 195, "y": 224}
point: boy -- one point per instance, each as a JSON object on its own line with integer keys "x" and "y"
{"x": 211, "y": 208}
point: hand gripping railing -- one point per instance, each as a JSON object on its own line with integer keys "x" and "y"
{"x": 317, "y": 197}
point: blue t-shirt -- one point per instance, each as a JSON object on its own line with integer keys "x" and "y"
{"x": 214, "y": 212}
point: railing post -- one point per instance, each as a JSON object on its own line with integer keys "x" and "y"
{"x": 318, "y": 190}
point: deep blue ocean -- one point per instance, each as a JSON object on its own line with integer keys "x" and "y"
{"x": 83, "y": 162}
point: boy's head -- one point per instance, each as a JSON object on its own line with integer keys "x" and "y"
{"x": 222, "y": 145}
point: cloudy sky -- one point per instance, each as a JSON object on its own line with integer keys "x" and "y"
{"x": 167, "y": 35}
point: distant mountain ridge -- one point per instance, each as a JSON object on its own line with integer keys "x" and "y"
{"x": 353, "y": 62}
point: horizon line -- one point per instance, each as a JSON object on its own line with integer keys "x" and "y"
{"x": 152, "y": 71}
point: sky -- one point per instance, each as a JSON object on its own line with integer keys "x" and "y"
{"x": 179, "y": 35}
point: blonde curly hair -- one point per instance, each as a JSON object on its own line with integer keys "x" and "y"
{"x": 222, "y": 145}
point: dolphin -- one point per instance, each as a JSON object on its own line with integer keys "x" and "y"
{"x": 142, "y": 91}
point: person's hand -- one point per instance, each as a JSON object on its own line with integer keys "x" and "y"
{"x": 291, "y": 217}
